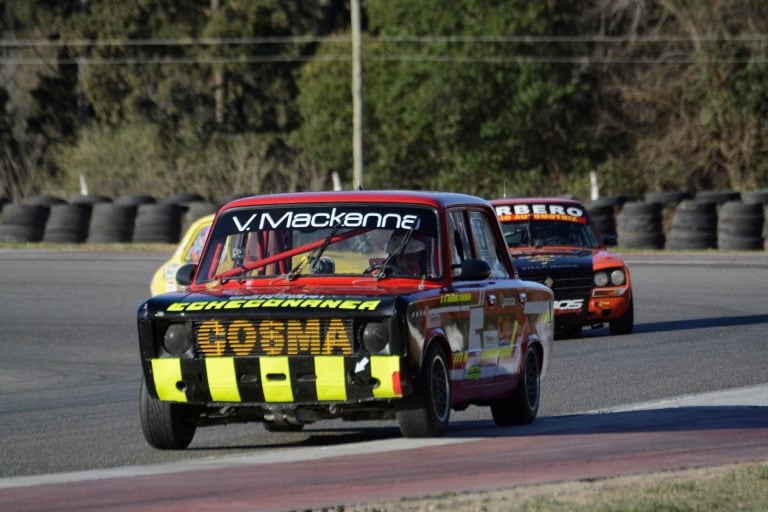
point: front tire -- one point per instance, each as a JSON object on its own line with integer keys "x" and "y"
{"x": 522, "y": 406}
{"x": 427, "y": 411}
{"x": 626, "y": 323}
{"x": 166, "y": 425}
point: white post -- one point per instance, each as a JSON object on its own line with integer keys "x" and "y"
{"x": 594, "y": 189}
{"x": 357, "y": 98}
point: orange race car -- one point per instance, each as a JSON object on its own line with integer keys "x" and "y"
{"x": 554, "y": 241}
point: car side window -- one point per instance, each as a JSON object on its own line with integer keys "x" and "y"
{"x": 487, "y": 247}
{"x": 458, "y": 240}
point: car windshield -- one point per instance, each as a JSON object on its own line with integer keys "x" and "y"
{"x": 379, "y": 240}
{"x": 540, "y": 233}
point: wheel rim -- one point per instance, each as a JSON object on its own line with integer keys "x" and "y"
{"x": 439, "y": 386}
{"x": 532, "y": 381}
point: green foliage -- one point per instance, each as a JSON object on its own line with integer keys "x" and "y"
{"x": 458, "y": 95}
{"x": 464, "y": 116}
{"x": 131, "y": 159}
{"x": 325, "y": 101}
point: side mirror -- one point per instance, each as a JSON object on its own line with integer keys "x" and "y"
{"x": 610, "y": 239}
{"x": 474, "y": 270}
{"x": 185, "y": 273}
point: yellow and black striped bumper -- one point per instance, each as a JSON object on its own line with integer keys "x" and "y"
{"x": 276, "y": 379}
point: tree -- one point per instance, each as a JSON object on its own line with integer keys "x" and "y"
{"x": 472, "y": 113}
{"x": 686, "y": 92}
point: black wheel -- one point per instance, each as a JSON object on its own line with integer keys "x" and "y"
{"x": 166, "y": 425}
{"x": 282, "y": 427}
{"x": 626, "y": 323}
{"x": 426, "y": 412}
{"x": 522, "y": 406}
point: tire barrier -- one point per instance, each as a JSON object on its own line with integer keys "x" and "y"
{"x": 740, "y": 226}
{"x": 674, "y": 220}
{"x": 716, "y": 196}
{"x": 694, "y": 226}
{"x": 67, "y": 223}
{"x": 639, "y": 226}
{"x": 23, "y": 222}
{"x": 667, "y": 197}
{"x": 195, "y": 211}
{"x": 89, "y": 200}
{"x": 755, "y": 196}
{"x": 135, "y": 200}
{"x": 44, "y": 200}
{"x": 112, "y": 223}
{"x": 157, "y": 223}
{"x": 604, "y": 219}
{"x": 182, "y": 199}
{"x": 765, "y": 227}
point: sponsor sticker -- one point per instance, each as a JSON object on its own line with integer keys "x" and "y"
{"x": 569, "y": 306}
{"x": 267, "y": 220}
{"x": 276, "y": 302}
{"x": 273, "y": 337}
{"x": 523, "y": 212}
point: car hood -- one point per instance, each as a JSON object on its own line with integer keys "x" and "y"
{"x": 559, "y": 261}
{"x": 285, "y": 300}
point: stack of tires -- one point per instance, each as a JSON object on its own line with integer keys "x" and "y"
{"x": 694, "y": 226}
{"x": 755, "y": 196}
{"x": 67, "y": 223}
{"x": 112, "y": 223}
{"x": 195, "y": 211}
{"x": 760, "y": 197}
{"x": 23, "y": 222}
{"x": 3, "y": 201}
{"x": 740, "y": 226}
{"x": 717, "y": 197}
{"x": 639, "y": 226}
{"x": 667, "y": 198}
{"x": 157, "y": 223}
{"x": 603, "y": 212}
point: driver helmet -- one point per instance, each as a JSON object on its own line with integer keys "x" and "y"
{"x": 396, "y": 243}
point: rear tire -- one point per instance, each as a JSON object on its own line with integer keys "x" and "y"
{"x": 522, "y": 406}
{"x": 427, "y": 411}
{"x": 166, "y": 425}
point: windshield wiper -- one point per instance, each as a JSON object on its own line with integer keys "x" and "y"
{"x": 314, "y": 255}
{"x": 383, "y": 272}
{"x": 528, "y": 230}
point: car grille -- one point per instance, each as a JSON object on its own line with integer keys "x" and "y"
{"x": 565, "y": 286}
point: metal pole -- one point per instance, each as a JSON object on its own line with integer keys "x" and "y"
{"x": 357, "y": 98}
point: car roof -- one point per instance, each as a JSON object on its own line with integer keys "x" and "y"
{"x": 539, "y": 200}
{"x": 436, "y": 199}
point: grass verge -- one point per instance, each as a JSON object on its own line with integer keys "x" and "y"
{"x": 742, "y": 487}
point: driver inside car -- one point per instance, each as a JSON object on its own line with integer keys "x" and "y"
{"x": 413, "y": 259}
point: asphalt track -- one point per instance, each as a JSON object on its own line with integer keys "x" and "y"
{"x": 689, "y": 388}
